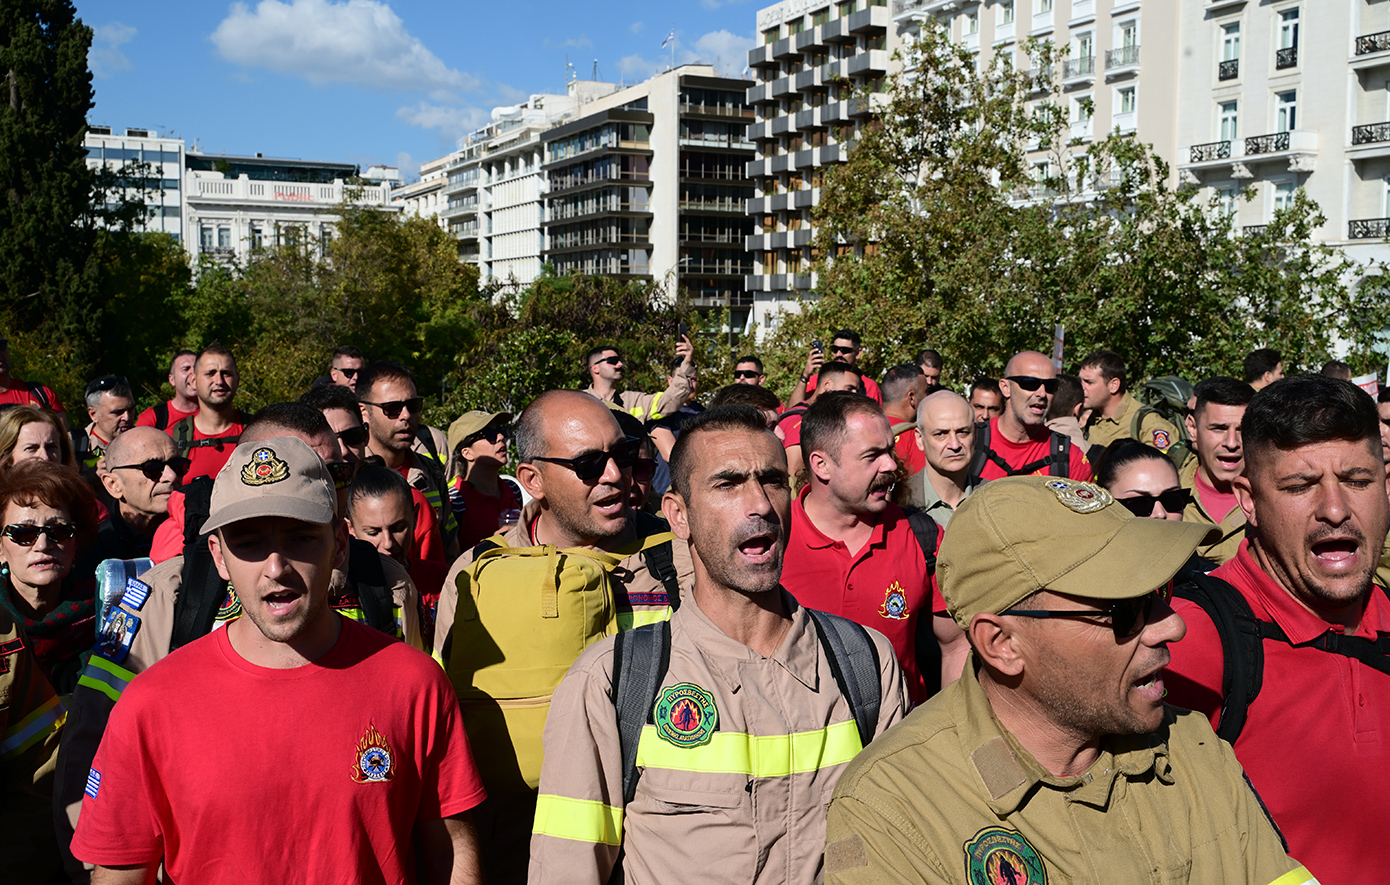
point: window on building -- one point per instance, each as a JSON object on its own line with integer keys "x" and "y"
{"x": 820, "y": 17}
{"x": 1230, "y": 131}
{"x": 1085, "y": 45}
{"x": 1043, "y": 6}
{"x": 1288, "y": 29}
{"x": 224, "y": 238}
{"x": 1287, "y": 110}
{"x": 770, "y": 35}
{"x": 1230, "y": 42}
{"x": 257, "y": 236}
{"x": 1226, "y": 199}
{"x": 1126, "y": 100}
{"x": 845, "y": 8}
{"x": 796, "y": 26}
{"x": 1006, "y": 12}
{"x": 1129, "y": 35}
{"x": 205, "y": 237}
{"x": 1083, "y": 108}
{"x": 1283, "y": 195}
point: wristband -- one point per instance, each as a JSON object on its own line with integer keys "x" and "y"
{"x": 805, "y": 379}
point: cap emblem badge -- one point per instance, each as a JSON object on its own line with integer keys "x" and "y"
{"x": 264, "y": 468}
{"x": 1081, "y": 497}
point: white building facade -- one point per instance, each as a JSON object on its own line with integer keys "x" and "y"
{"x": 425, "y": 198}
{"x": 162, "y": 189}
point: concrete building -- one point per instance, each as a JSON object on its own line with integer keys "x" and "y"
{"x": 162, "y": 190}
{"x": 649, "y": 183}
{"x": 425, "y": 198}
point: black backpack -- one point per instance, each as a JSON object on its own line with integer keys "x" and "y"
{"x": 1242, "y": 645}
{"x": 1057, "y": 462}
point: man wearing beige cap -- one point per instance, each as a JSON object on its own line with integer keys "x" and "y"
{"x": 1054, "y": 758}
{"x": 483, "y": 502}
{"x": 314, "y": 748}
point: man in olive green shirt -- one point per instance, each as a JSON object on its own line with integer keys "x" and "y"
{"x": 1219, "y": 457}
{"x": 1114, "y": 409}
{"x": 1054, "y": 758}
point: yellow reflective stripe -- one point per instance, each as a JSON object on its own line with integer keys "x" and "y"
{"x": 580, "y": 820}
{"x": 103, "y": 676}
{"x": 31, "y": 729}
{"x": 772, "y": 755}
{"x": 355, "y": 613}
{"x": 628, "y": 620}
{"x": 1300, "y": 876}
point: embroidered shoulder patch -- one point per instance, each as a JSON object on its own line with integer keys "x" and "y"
{"x": 264, "y": 468}
{"x": 136, "y": 592}
{"x": 375, "y": 762}
{"x": 894, "y": 603}
{"x": 1081, "y": 497}
{"x": 117, "y": 633}
{"x": 996, "y": 856}
{"x": 1161, "y": 439}
{"x": 685, "y": 715}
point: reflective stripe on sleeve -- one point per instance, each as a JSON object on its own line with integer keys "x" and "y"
{"x": 355, "y": 613}
{"x": 628, "y": 620}
{"x": 579, "y": 820}
{"x": 108, "y": 678}
{"x": 773, "y": 755}
{"x": 1300, "y": 876}
{"x": 33, "y": 728}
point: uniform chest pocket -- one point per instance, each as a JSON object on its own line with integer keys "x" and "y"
{"x": 665, "y": 799}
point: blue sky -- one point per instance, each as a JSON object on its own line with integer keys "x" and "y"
{"x": 376, "y": 81}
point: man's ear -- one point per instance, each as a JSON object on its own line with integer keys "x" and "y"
{"x": 1245, "y": 497}
{"x": 996, "y": 644}
{"x": 114, "y": 487}
{"x": 340, "y": 543}
{"x": 673, "y": 508}
{"x": 530, "y": 479}
{"x": 215, "y": 548}
{"x": 1190, "y": 422}
{"x": 819, "y": 465}
{"x": 921, "y": 439}
{"x": 1113, "y": 385}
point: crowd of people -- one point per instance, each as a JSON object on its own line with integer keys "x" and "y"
{"x": 1048, "y": 627}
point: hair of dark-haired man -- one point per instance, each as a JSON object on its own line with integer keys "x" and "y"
{"x": 930, "y": 358}
{"x": 823, "y": 425}
{"x": 709, "y": 421}
{"x": 298, "y": 417}
{"x": 1108, "y": 363}
{"x": 750, "y": 359}
{"x": 759, "y": 398}
{"x": 1069, "y": 395}
{"x": 836, "y": 367}
{"x": 846, "y": 335}
{"x": 988, "y": 385}
{"x": 381, "y": 370}
{"x": 1223, "y": 391}
{"x": 216, "y": 348}
{"x": 178, "y": 355}
{"x": 898, "y": 380}
{"x": 1384, "y": 395}
{"x": 1336, "y": 369}
{"x": 346, "y": 350}
{"x": 373, "y": 481}
{"x": 1303, "y": 410}
{"x": 1258, "y": 362}
{"x": 596, "y": 352}
{"x": 330, "y": 396}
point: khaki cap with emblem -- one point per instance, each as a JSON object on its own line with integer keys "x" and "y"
{"x": 1015, "y": 536}
{"x": 470, "y": 423}
{"x": 280, "y": 476}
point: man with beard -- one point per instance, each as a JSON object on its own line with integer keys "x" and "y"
{"x": 208, "y": 436}
{"x": 1314, "y": 621}
{"x": 750, "y": 727}
{"x": 1053, "y": 758}
{"x": 1018, "y": 443}
{"x": 854, "y": 553}
{"x": 576, "y": 464}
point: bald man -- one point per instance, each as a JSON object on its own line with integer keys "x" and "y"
{"x": 143, "y": 468}
{"x": 946, "y": 435}
{"x": 1018, "y": 442}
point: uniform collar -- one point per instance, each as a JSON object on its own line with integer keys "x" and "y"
{"x": 818, "y": 540}
{"x": 799, "y": 653}
{"x": 1010, "y": 775}
{"x": 1297, "y": 622}
{"x": 930, "y": 499}
{"x": 1126, "y": 403}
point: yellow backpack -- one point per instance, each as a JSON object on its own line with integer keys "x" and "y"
{"x": 524, "y": 615}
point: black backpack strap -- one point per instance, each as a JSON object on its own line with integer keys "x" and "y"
{"x": 854, "y": 663}
{"x": 661, "y": 559}
{"x": 982, "y": 450}
{"x": 202, "y": 590}
{"x": 422, "y": 433}
{"x": 1242, "y": 646}
{"x": 161, "y": 415}
{"x": 182, "y": 432}
{"x": 641, "y": 657}
{"x": 1373, "y": 653}
{"x": 37, "y": 392}
{"x": 924, "y": 528}
{"x": 1060, "y": 455}
{"x": 366, "y": 576}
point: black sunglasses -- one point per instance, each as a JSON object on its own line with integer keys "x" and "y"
{"x": 106, "y": 382}
{"x": 353, "y": 437}
{"x": 611, "y": 360}
{"x": 392, "y": 409}
{"x": 154, "y": 467}
{"x": 835, "y": 349}
{"x": 488, "y": 433}
{"x": 746, "y": 373}
{"x": 348, "y": 373}
{"x": 1030, "y": 384}
{"x": 25, "y": 534}
{"x": 1173, "y": 501}
{"x": 1127, "y": 616}
{"x": 590, "y": 466}
{"x": 342, "y": 473}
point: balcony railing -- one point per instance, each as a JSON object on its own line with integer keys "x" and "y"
{"x": 1368, "y": 228}
{"x": 1212, "y": 150}
{"x": 1285, "y": 58}
{"x": 1368, "y": 43}
{"x": 719, "y": 110}
{"x": 1254, "y": 230}
{"x": 1079, "y": 67}
{"x": 1228, "y": 70}
{"x": 1267, "y": 144}
{"x": 1125, "y": 55}
{"x": 1370, "y": 133}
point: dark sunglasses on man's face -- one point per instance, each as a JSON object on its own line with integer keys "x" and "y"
{"x": 392, "y": 410}
{"x": 1173, "y": 501}
{"x": 590, "y": 466}
{"x": 154, "y": 467}
{"x": 840, "y": 351}
{"x": 746, "y": 373}
{"x": 1127, "y": 616}
{"x": 1030, "y": 384}
{"x": 26, "y": 534}
{"x": 353, "y": 437}
{"x": 348, "y": 373}
{"x": 611, "y": 360}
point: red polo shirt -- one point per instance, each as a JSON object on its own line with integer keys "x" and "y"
{"x": 885, "y": 586}
{"x": 911, "y": 454}
{"x": 209, "y": 460}
{"x": 1022, "y": 454}
{"x": 1316, "y": 743}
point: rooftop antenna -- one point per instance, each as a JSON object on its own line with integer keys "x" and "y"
{"x": 595, "y": 70}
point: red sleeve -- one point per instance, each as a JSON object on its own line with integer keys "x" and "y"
{"x": 911, "y": 454}
{"x": 791, "y": 432}
{"x": 938, "y": 602}
{"x": 1079, "y": 467}
{"x": 429, "y": 543}
{"x": 871, "y": 390}
{"x": 119, "y": 822}
{"x": 1195, "y": 673}
{"x": 146, "y": 419}
{"x": 449, "y": 779}
{"x": 168, "y": 538}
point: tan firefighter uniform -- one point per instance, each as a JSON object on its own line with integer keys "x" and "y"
{"x": 1232, "y": 526}
{"x": 1154, "y": 429}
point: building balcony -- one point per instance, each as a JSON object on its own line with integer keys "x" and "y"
{"x": 780, "y": 125}
{"x": 807, "y": 120}
{"x": 836, "y": 31}
{"x": 759, "y": 130}
{"x": 1272, "y": 143}
{"x": 808, "y": 40}
{"x": 714, "y": 141}
{"x": 760, "y": 55}
{"x": 784, "y": 49}
{"x": 1124, "y": 60}
{"x": 1371, "y": 140}
{"x": 1372, "y": 50}
{"x": 867, "y": 21}
{"x": 781, "y": 87}
{"x": 760, "y": 93}
{"x": 245, "y": 191}
{"x": 1079, "y": 70}
{"x": 1222, "y": 5}
{"x": 714, "y": 204}
{"x": 1212, "y": 150}
{"x": 1286, "y": 58}
{"x": 806, "y": 81}
{"x": 918, "y": 10}
{"x": 723, "y": 111}
{"x": 1228, "y": 69}
{"x": 1368, "y": 228}
{"x": 1254, "y": 230}
{"x": 1235, "y": 158}
{"x": 874, "y": 61}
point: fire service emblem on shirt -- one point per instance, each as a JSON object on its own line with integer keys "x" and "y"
{"x": 894, "y": 603}
{"x": 685, "y": 715}
{"x": 375, "y": 762}
{"x": 997, "y": 856}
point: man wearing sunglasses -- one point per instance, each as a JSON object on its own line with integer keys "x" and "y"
{"x": 1018, "y": 442}
{"x": 343, "y": 368}
{"x": 844, "y": 348}
{"x": 1054, "y": 757}
{"x": 605, "y": 370}
{"x": 1299, "y": 605}
{"x": 749, "y": 370}
{"x": 1114, "y": 409}
{"x": 143, "y": 468}
{"x": 1214, "y": 426}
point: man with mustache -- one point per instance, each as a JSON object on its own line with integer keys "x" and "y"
{"x": 1053, "y": 758}
{"x": 1018, "y": 443}
{"x": 1314, "y": 494}
{"x": 749, "y": 728}
{"x": 853, "y": 552}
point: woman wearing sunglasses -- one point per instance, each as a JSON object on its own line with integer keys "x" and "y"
{"x": 483, "y": 500}
{"x": 49, "y": 516}
{"x": 1145, "y": 482}
{"x": 31, "y": 433}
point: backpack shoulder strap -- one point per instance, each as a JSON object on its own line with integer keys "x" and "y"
{"x": 924, "y": 528}
{"x": 201, "y": 589}
{"x": 981, "y": 452}
{"x": 1242, "y": 647}
{"x": 182, "y": 432}
{"x": 903, "y": 427}
{"x": 1060, "y": 455}
{"x": 37, "y": 391}
{"x": 1136, "y": 422}
{"x": 658, "y": 554}
{"x": 641, "y": 657}
{"x": 854, "y": 663}
{"x": 422, "y": 433}
{"x": 368, "y": 578}
{"x": 161, "y": 414}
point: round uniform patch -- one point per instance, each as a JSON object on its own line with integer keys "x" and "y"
{"x": 1081, "y": 497}
{"x": 997, "y": 856}
{"x": 1161, "y": 440}
{"x": 685, "y": 715}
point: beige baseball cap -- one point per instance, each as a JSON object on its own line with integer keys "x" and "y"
{"x": 1013, "y": 537}
{"x": 280, "y": 476}
{"x": 470, "y": 423}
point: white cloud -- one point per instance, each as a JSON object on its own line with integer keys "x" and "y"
{"x": 635, "y": 27}
{"x": 361, "y": 42}
{"x": 409, "y": 166}
{"x": 451, "y": 121}
{"x": 105, "y": 57}
{"x": 727, "y": 52}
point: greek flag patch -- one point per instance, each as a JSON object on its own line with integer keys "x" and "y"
{"x": 93, "y": 783}
{"x": 136, "y": 592}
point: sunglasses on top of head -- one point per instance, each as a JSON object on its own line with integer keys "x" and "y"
{"x": 1127, "y": 616}
{"x": 590, "y": 466}
{"x": 153, "y": 469}
{"x": 27, "y": 534}
{"x": 1030, "y": 384}
{"x": 392, "y": 409}
{"x": 1173, "y": 501}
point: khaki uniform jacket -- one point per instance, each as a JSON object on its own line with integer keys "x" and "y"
{"x": 631, "y": 574}
{"x": 1232, "y": 527}
{"x": 922, "y": 496}
{"x": 445, "y": 458}
{"x": 748, "y": 806}
{"x": 1153, "y": 429}
{"x": 651, "y": 406}
{"x": 31, "y": 716}
{"x": 949, "y": 796}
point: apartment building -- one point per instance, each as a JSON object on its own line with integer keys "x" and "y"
{"x": 162, "y": 188}
{"x": 813, "y": 55}
{"x": 649, "y": 182}
{"x": 425, "y": 198}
